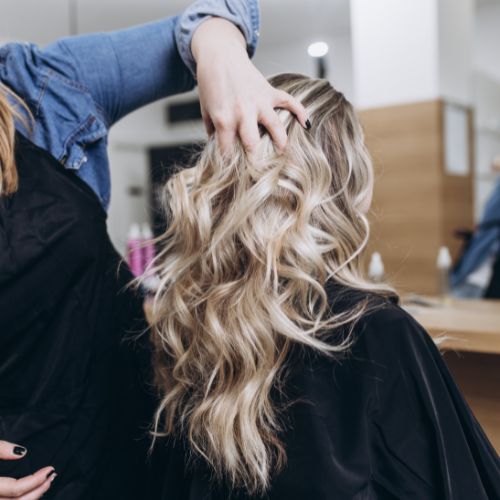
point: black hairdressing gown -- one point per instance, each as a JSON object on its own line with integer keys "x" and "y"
{"x": 384, "y": 421}
{"x": 71, "y": 385}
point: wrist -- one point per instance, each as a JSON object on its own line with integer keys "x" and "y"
{"x": 217, "y": 37}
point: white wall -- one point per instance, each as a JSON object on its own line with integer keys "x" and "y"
{"x": 486, "y": 98}
{"x": 34, "y": 20}
{"x": 293, "y": 57}
{"x": 395, "y": 51}
{"x": 128, "y": 153}
{"x": 456, "y": 40}
{"x": 487, "y": 40}
{"x": 487, "y": 137}
{"x": 409, "y": 51}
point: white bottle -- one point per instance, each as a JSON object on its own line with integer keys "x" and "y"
{"x": 443, "y": 264}
{"x": 376, "y": 269}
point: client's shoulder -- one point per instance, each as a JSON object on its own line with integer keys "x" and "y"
{"x": 382, "y": 324}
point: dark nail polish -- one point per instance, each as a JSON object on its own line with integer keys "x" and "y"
{"x": 51, "y": 473}
{"x": 308, "y": 124}
{"x": 19, "y": 451}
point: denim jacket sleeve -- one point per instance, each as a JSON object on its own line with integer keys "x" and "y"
{"x": 127, "y": 69}
{"x": 245, "y": 14}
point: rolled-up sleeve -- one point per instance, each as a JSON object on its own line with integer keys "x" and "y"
{"x": 245, "y": 14}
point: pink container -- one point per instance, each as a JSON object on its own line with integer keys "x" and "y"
{"x": 135, "y": 250}
{"x": 148, "y": 250}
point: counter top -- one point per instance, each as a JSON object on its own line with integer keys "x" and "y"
{"x": 468, "y": 325}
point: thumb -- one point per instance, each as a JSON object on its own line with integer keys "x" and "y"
{"x": 10, "y": 451}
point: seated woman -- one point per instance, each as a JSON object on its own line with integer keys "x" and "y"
{"x": 284, "y": 373}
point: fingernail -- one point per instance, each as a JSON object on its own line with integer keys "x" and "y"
{"x": 308, "y": 124}
{"x": 19, "y": 451}
{"x": 52, "y": 474}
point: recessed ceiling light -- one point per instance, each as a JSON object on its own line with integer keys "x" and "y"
{"x": 318, "y": 49}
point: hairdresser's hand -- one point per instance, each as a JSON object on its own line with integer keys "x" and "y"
{"x": 234, "y": 95}
{"x": 29, "y": 487}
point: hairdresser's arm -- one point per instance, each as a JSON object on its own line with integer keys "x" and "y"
{"x": 29, "y": 487}
{"x": 126, "y": 69}
{"x": 215, "y": 40}
{"x": 234, "y": 95}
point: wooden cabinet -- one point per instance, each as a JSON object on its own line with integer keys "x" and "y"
{"x": 417, "y": 205}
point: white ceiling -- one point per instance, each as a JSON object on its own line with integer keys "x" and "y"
{"x": 36, "y": 21}
{"x": 283, "y": 21}
{"x": 483, "y": 3}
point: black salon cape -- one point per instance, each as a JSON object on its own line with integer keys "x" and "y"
{"x": 385, "y": 421}
{"x": 72, "y": 387}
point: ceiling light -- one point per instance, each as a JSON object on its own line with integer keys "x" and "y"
{"x": 318, "y": 49}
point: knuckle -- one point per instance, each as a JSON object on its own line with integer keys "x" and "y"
{"x": 240, "y": 107}
{"x": 221, "y": 120}
{"x": 269, "y": 118}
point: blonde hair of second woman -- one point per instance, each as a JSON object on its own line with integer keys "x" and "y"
{"x": 250, "y": 247}
{"x": 12, "y": 108}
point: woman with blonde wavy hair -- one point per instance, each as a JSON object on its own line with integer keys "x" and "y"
{"x": 283, "y": 372}
{"x": 75, "y": 393}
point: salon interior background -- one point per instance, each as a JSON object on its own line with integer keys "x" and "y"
{"x": 390, "y": 57}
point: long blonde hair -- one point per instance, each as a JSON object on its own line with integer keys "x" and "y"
{"x": 251, "y": 245}
{"x": 9, "y": 112}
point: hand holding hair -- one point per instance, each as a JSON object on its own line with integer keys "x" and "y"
{"x": 235, "y": 97}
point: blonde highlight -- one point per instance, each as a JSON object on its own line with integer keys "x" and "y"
{"x": 12, "y": 108}
{"x": 251, "y": 246}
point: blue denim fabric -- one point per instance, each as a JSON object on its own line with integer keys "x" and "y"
{"x": 244, "y": 14}
{"x": 485, "y": 242}
{"x": 78, "y": 87}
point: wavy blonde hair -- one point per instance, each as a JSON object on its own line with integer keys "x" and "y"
{"x": 251, "y": 245}
{"x": 10, "y": 110}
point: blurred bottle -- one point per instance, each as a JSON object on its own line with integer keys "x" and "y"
{"x": 151, "y": 281}
{"x": 148, "y": 249}
{"x": 443, "y": 264}
{"x": 376, "y": 269}
{"x": 134, "y": 250}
